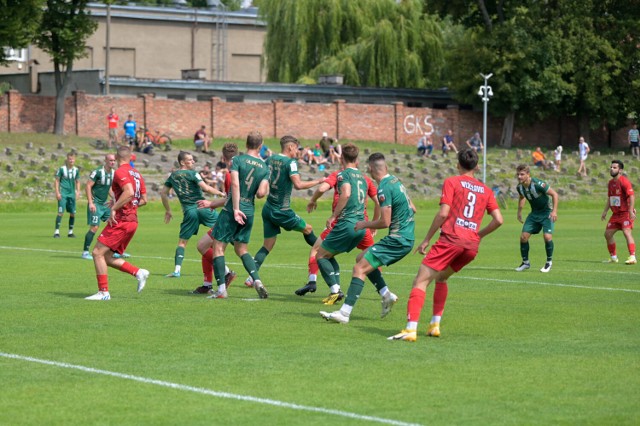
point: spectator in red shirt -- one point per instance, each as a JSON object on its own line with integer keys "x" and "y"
{"x": 112, "y": 119}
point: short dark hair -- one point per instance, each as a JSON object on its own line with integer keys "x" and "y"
{"x": 182, "y": 155}
{"x": 221, "y": 164}
{"x": 619, "y": 163}
{"x": 350, "y": 153}
{"x": 254, "y": 140}
{"x": 286, "y": 140}
{"x": 229, "y": 150}
{"x": 468, "y": 159}
{"x": 523, "y": 167}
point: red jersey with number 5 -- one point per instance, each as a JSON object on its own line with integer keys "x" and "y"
{"x": 124, "y": 175}
{"x": 619, "y": 191}
{"x": 469, "y": 199}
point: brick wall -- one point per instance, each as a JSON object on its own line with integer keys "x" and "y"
{"x": 85, "y": 115}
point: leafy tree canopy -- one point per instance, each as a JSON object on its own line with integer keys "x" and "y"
{"x": 19, "y": 21}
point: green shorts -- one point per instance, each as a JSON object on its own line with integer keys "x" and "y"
{"x": 101, "y": 214}
{"x": 68, "y": 204}
{"x": 343, "y": 238}
{"x": 274, "y": 219}
{"x": 536, "y": 222}
{"x": 192, "y": 220}
{"x": 227, "y": 230}
{"x": 388, "y": 251}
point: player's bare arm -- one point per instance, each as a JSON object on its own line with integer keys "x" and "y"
{"x": 554, "y": 199}
{"x": 210, "y": 189}
{"x": 263, "y": 189}
{"x": 383, "y": 222}
{"x": 299, "y": 184}
{"x": 125, "y": 198}
{"x": 345, "y": 193}
{"x": 438, "y": 220}
{"x": 521, "y": 202}
{"x": 496, "y": 222}
{"x": 313, "y": 203}
{"x": 56, "y": 186}
{"x": 164, "y": 195}
{"x": 632, "y": 208}
{"x": 88, "y": 188}
{"x": 238, "y": 216}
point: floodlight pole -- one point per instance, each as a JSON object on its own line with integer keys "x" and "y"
{"x": 485, "y": 93}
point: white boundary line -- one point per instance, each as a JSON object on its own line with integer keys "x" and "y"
{"x": 462, "y": 277}
{"x": 209, "y": 392}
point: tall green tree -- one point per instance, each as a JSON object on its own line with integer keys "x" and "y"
{"x": 549, "y": 58}
{"x": 19, "y": 22}
{"x": 64, "y": 29}
{"x": 380, "y": 43}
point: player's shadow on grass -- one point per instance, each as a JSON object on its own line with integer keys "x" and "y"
{"x": 73, "y": 295}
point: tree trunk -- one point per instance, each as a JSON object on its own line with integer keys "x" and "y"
{"x": 485, "y": 15}
{"x": 62, "y": 83}
{"x": 507, "y": 130}
{"x": 583, "y": 126}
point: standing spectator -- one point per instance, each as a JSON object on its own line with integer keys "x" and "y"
{"x": 544, "y": 213}
{"x": 621, "y": 201}
{"x": 98, "y": 189}
{"x": 398, "y": 216}
{"x": 130, "y": 127}
{"x": 583, "y": 151}
{"x": 67, "y": 187}
{"x": 634, "y": 141}
{"x": 448, "y": 144}
{"x": 425, "y": 145}
{"x": 277, "y": 212}
{"x": 325, "y": 144}
{"x": 112, "y": 120}
{"x": 130, "y": 193}
{"x": 463, "y": 204}
{"x": 249, "y": 179}
{"x": 558, "y": 157}
{"x": 201, "y": 140}
{"x": 475, "y": 142}
{"x": 188, "y": 186}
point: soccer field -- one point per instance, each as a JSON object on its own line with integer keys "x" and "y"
{"x": 516, "y": 348}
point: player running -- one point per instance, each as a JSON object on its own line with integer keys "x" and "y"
{"x": 463, "y": 203}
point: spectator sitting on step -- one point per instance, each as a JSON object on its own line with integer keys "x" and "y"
{"x": 540, "y": 160}
{"x": 201, "y": 140}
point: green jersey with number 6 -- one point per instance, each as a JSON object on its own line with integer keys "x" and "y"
{"x": 251, "y": 172}
{"x": 353, "y": 211}
{"x": 281, "y": 168}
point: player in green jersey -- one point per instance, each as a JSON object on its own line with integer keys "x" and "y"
{"x": 67, "y": 187}
{"x": 352, "y": 188}
{"x": 277, "y": 212}
{"x": 397, "y": 214}
{"x": 544, "y": 213}
{"x": 249, "y": 179}
{"x": 188, "y": 186}
{"x": 98, "y": 190}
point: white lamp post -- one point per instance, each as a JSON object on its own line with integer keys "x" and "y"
{"x": 485, "y": 93}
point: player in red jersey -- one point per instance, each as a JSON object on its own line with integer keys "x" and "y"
{"x": 129, "y": 194}
{"x": 621, "y": 201}
{"x": 367, "y": 241}
{"x": 463, "y": 203}
{"x": 205, "y": 245}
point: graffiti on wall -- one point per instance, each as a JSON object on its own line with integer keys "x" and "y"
{"x": 418, "y": 125}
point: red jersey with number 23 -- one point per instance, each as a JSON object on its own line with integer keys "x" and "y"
{"x": 469, "y": 199}
{"x": 124, "y": 175}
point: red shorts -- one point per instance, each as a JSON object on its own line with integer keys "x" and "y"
{"x": 442, "y": 255}
{"x": 366, "y": 242}
{"x": 620, "y": 221}
{"x": 117, "y": 237}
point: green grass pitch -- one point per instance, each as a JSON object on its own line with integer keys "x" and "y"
{"x": 516, "y": 348}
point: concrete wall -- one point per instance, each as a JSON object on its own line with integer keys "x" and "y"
{"x": 85, "y": 115}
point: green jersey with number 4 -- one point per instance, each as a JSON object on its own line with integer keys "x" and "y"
{"x": 251, "y": 172}
{"x": 353, "y": 211}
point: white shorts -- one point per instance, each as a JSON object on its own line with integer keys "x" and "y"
{"x": 583, "y": 157}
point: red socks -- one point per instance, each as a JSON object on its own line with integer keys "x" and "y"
{"x": 313, "y": 266}
{"x": 103, "y": 282}
{"x": 415, "y": 304}
{"x": 632, "y": 249}
{"x": 129, "y": 268}
{"x": 439, "y": 298}
{"x": 207, "y": 266}
{"x": 612, "y": 249}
